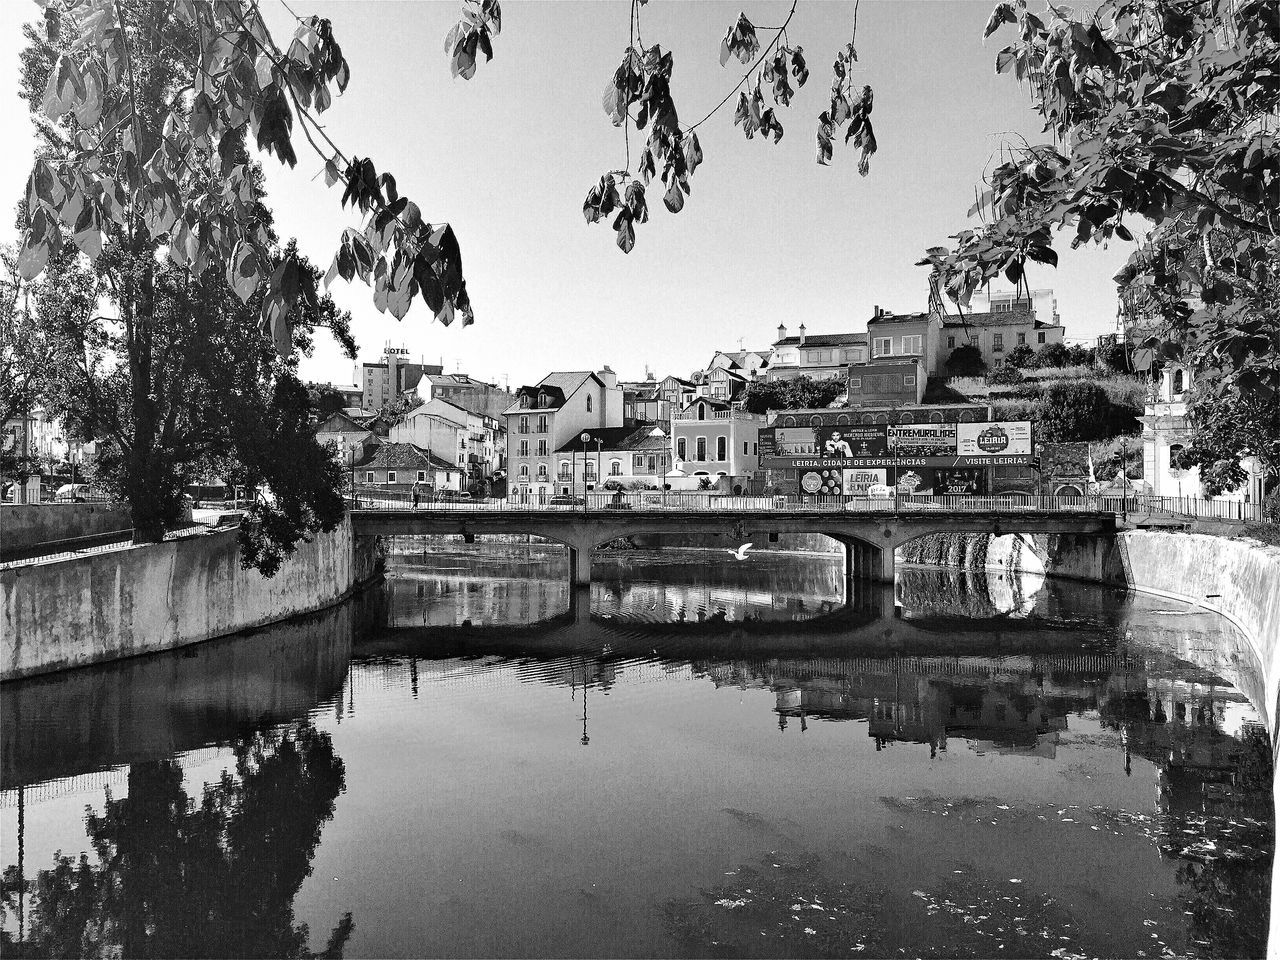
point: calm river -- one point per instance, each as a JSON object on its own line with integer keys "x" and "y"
{"x": 702, "y": 757}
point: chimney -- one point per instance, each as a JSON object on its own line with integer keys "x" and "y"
{"x": 782, "y": 331}
{"x": 802, "y": 334}
{"x": 607, "y": 375}
{"x": 876, "y": 312}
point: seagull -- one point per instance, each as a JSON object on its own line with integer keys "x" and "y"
{"x": 741, "y": 552}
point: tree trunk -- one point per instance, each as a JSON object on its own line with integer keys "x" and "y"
{"x": 148, "y": 500}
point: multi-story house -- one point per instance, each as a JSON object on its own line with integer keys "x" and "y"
{"x": 627, "y": 455}
{"x": 905, "y": 335}
{"x": 466, "y": 392}
{"x": 712, "y": 438}
{"x": 547, "y": 415}
{"x": 821, "y": 356}
{"x": 677, "y": 392}
{"x": 893, "y": 381}
{"x": 721, "y": 383}
{"x": 643, "y": 401}
{"x": 382, "y": 383}
{"x": 752, "y": 364}
{"x": 467, "y": 438}
{"x": 1010, "y": 322}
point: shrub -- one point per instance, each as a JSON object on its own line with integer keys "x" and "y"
{"x": 1080, "y": 355}
{"x": 1115, "y": 357}
{"x": 966, "y": 361}
{"x": 1020, "y": 356}
{"x": 1005, "y": 375}
{"x": 1053, "y": 355}
{"x": 1075, "y": 410}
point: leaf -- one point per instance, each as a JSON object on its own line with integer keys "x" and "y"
{"x": 674, "y": 197}
{"x": 331, "y": 173}
{"x": 692, "y": 151}
{"x": 614, "y": 100}
{"x": 243, "y": 273}
{"x": 1042, "y": 254}
{"x": 626, "y": 235}
{"x": 31, "y": 260}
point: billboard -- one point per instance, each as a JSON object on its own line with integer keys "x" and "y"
{"x": 841, "y": 482}
{"x": 848, "y": 442}
{"x": 1005, "y": 438}
{"x": 922, "y": 439}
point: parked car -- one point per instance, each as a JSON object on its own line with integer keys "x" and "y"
{"x": 72, "y": 493}
{"x": 451, "y": 496}
{"x": 564, "y": 500}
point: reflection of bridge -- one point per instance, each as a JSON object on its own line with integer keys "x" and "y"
{"x": 870, "y": 532}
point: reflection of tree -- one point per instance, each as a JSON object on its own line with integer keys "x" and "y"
{"x": 179, "y": 879}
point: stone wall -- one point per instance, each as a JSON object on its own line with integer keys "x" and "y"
{"x": 24, "y": 525}
{"x": 121, "y": 603}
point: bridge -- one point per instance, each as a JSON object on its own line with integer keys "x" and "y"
{"x": 871, "y": 530}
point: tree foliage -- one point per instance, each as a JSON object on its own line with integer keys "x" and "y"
{"x": 798, "y": 393}
{"x": 1155, "y": 111}
{"x": 1053, "y": 355}
{"x": 966, "y": 361}
{"x": 1021, "y": 356}
{"x": 1228, "y": 428}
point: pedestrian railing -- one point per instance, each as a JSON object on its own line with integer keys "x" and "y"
{"x": 96, "y": 543}
{"x": 1136, "y": 505}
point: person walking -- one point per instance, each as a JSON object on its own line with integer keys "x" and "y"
{"x": 417, "y": 492}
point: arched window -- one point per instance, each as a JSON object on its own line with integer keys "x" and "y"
{"x": 588, "y": 403}
{"x": 1179, "y": 383}
{"x": 615, "y": 468}
{"x": 702, "y": 411}
{"x": 722, "y": 448}
{"x": 682, "y": 448}
{"x": 935, "y": 417}
{"x": 565, "y": 472}
{"x": 1175, "y": 456}
{"x": 907, "y": 417}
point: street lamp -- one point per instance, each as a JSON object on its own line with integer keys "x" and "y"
{"x": 585, "y": 438}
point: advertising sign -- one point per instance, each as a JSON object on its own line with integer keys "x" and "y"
{"x": 923, "y": 440}
{"x": 794, "y": 441}
{"x": 849, "y": 442}
{"x": 1005, "y": 438}
{"x": 858, "y": 483}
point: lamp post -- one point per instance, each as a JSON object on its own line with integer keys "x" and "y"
{"x": 585, "y": 438}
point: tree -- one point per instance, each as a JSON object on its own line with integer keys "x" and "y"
{"x": 1080, "y": 355}
{"x": 179, "y": 378}
{"x": 798, "y": 393}
{"x": 1115, "y": 357}
{"x": 1226, "y": 430}
{"x": 325, "y": 401}
{"x": 1155, "y": 111}
{"x": 1053, "y": 355}
{"x": 966, "y": 361}
{"x": 1021, "y": 356}
{"x": 1075, "y": 410}
{"x": 1007, "y": 374}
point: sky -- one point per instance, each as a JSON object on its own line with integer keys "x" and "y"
{"x": 767, "y": 236}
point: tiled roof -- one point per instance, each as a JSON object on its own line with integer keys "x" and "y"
{"x": 898, "y": 318}
{"x": 615, "y": 438}
{"x": 1004, "y": 319}
{"x": 339, "y": 422}
{"x": 823, "y": 340}
{"x": 405, "y": 456}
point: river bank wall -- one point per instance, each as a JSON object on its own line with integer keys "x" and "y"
{"x": 25, "y": 525}
{"x": 143, "y": 599}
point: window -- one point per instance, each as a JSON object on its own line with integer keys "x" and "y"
{"x": 565, "y": 472}
{"x": 1040, "y": 337}
{"x": 637, "y": 462}
{"x": 542, "y": 423}
{"x": 746, "y": 447}
{"x": 951, "y": 342}
{"x": 722, "y": 448}
{"x": 524, "y": 424}
{"x": 911, "y": 344}
{"x": 1175, "y": 451}
{"x": 702, "y": 411}
{"x": 817, "y": 356}
{"x": 653, "y": 464}
{"x": 422, "y": 476}
{"x": 855, "y": 354}
{"x": 1179, "y": 382}
{"x": 855, "y": 383}
{"x": 701, "y": 446}
{"x": 755, "y": 449}
{"x": 588, "y": 403}
{"x": 524, "y": 470}
{"x": 1022, "y": 338}
{"x": 391, "y": 476}
{"x": 368, "y": 476}
{"x": 524, "y": 448}
{"x": 615, "y": 468}
{"x": 682, "y": 449}
{"x": 997, "y": 341}
{"x": 908, "y": 381}
{"x": 589, "y": 470}
{"x": 882, "y": 347}
{"x": 542, "y": 448}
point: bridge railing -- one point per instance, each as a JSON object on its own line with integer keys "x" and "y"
{"x": 655, "y": 501}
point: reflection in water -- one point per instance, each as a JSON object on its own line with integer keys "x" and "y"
{"x": 692, "y": 758}
{"x": 173, "y": 877}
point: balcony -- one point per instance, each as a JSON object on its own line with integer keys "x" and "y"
{"x": 740, "y": 415}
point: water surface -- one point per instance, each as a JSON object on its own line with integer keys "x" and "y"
{"x": 699, "y": 757}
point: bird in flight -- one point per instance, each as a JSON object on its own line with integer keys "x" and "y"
{"x": 741, "y": 552}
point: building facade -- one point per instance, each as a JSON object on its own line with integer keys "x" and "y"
{"x": 351, "y": 441}
{"x": 470, "y": 394}
{"x": 629, "y": 457}
{"x": 547, "y": 415}
{"x": 711, "y": 438}
{"x": 821, "y": 356}
{"x": 1011, "y": 322}
{"x": 382, "y": 383}
{"x": 1166, "y": 433}
{"x": 398, "y": 466}
{"x": 887, "y": 382}
{"x": 913, "y": 335}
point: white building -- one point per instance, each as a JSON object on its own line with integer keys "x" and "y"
{"x": 1165, "y": 433}
{"x": 350, "y": 439}
{"x": 630, "y": 456}
{"x": 714, "y": 439}
{"x": 547, "y": 415}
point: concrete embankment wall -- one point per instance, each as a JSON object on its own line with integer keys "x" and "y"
{"x": 24, "y": 525}
{"x": 121, "y": 603}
